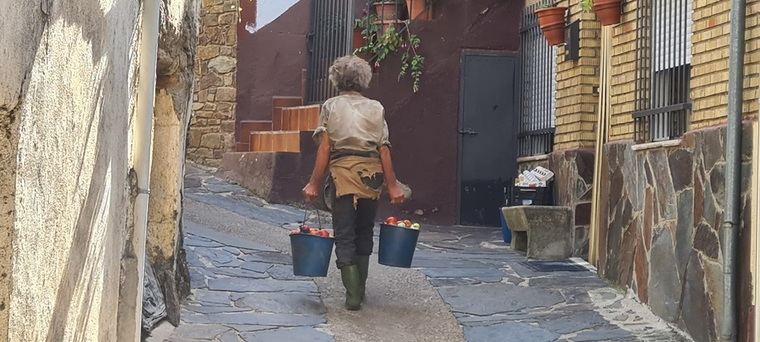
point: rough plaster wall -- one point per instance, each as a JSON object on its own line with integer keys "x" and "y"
{"x": 8, "y": 141}
{"x": 17, "y": 57}
{"x": 73, "y": 157}
{"x": 177, "y": 43}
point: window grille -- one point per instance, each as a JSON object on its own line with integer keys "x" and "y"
{"x": 538, "y": 86}
{"x": 331, "y": 28}
{"x": 663, "y": 69}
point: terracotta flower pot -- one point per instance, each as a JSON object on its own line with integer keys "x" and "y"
{"x": 358, "y": 39}
{"x": 551, "y": 20}
{"x": 418, "y": 10}
{"x": 386, "y": 10}
{"x": 608, "y": 11}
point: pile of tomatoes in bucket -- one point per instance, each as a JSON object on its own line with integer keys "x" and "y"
{"x": 392, "y": 221}
{"x": 306, "y": 230}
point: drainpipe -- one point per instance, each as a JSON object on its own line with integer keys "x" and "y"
{"x": 143, "y": 137}
{"x": 730, "y": 229}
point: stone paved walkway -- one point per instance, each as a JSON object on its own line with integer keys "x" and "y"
{"x": 497, "y": 295}
{"x": 244, "y": 290}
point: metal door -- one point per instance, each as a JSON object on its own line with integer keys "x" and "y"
{"x": 488, "y": 131}
{"x": 331, "y": 28}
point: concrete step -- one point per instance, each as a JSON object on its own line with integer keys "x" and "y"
{"x": 247, "y": 126}
{"x": 301, "y": 118}
{"x": 242, "y": 147}
{"x": 275, "y": 141}
{"x": 286, "y": 101}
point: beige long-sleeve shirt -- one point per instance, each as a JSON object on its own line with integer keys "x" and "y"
{"x": 353, "y": 122}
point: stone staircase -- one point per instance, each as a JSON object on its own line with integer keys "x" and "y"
{"x": 281, "y": 134}
{"x": 273, "y": 158}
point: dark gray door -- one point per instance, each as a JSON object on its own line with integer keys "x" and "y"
{"x": 488, "y": 143}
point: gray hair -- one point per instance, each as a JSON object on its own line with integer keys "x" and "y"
{"x": 350, "y": 73}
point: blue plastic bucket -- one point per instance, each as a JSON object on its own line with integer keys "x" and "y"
{"x": 397, "y": 246}
{"x": 505, "y": 229}
{"x": 311, "y": 254}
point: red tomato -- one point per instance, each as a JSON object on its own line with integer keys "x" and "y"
{"x": 391, "y": 220}
{"x": 324, "y": 233}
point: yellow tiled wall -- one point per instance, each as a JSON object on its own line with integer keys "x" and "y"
{"x": 577, "y": 82}
{"x": 623, "y": 78}
{"x": 709, "y": 75}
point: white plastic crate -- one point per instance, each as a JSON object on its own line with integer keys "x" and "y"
{"x": 543, "y": 174}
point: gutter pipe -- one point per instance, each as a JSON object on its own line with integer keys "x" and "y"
{"x": 730, "y": 229}
{"x": 143, "y": 137}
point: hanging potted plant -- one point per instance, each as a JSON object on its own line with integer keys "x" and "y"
{"x": 551, "y": 20}
{"x": 386, "y": 10}
{"x": 357, "y": 38}
{"x": 608, "y": 11}
{"x": 386, "y": 14}
{"x": 366, "y": 32}
{"x": 381, "y": 45}
{"x": 420, "y": 9}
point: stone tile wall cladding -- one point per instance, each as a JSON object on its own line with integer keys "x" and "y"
{"x": 574, "y": 171}
{"x": 661, "y": 212}
{"x": 212, "y": 127}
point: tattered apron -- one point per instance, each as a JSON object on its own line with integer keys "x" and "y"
{"x": 358, "y": 175}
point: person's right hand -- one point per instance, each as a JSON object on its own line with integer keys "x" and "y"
{"x": 396, "y": 193}
{"x": 310, "y": 192}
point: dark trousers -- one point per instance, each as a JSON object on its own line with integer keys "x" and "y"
{"x": 353, "y": 228}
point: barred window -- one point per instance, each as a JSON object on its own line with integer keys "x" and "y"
{"x": 538, "y": 85}
{"x": 330, "y": 37}
{"x": 663, "y": 69}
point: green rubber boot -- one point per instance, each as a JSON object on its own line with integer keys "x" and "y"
{"x": 352, "y": 282}
{"x": 362, "y": 261}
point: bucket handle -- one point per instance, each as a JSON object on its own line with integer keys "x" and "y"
{"x": 306, "y": 216}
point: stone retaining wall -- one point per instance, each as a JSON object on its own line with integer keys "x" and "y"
{"x": 212, "y": 127}
{"x": 661, "y": 214}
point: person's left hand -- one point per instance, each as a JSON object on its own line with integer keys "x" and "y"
{"x": 310, "y": 192}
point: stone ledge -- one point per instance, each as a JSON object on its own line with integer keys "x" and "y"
{"x": 541, "y": 157}
{"x": 656, "y": 145}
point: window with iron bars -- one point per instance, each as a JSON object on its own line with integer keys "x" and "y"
{"x": 538, "y": 85}
{"x": 663, "y": 69}
{"x": 331, "y": 26}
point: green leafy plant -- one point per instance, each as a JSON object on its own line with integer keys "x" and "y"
{"x": 379, "y": 45}
{"x": 369, "y": 26}
{"x": 587, "y": 5}
{"x": 412, "y": 62}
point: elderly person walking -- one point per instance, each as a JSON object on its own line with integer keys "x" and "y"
{"x": 353, "y": 142}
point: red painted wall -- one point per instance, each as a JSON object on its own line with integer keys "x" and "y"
{"x": 270, "y": 61}
{"x": 424, "y": 126}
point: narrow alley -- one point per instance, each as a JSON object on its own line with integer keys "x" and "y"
{"x": 155, "y": 156}
{"x": 465, "y": 285}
